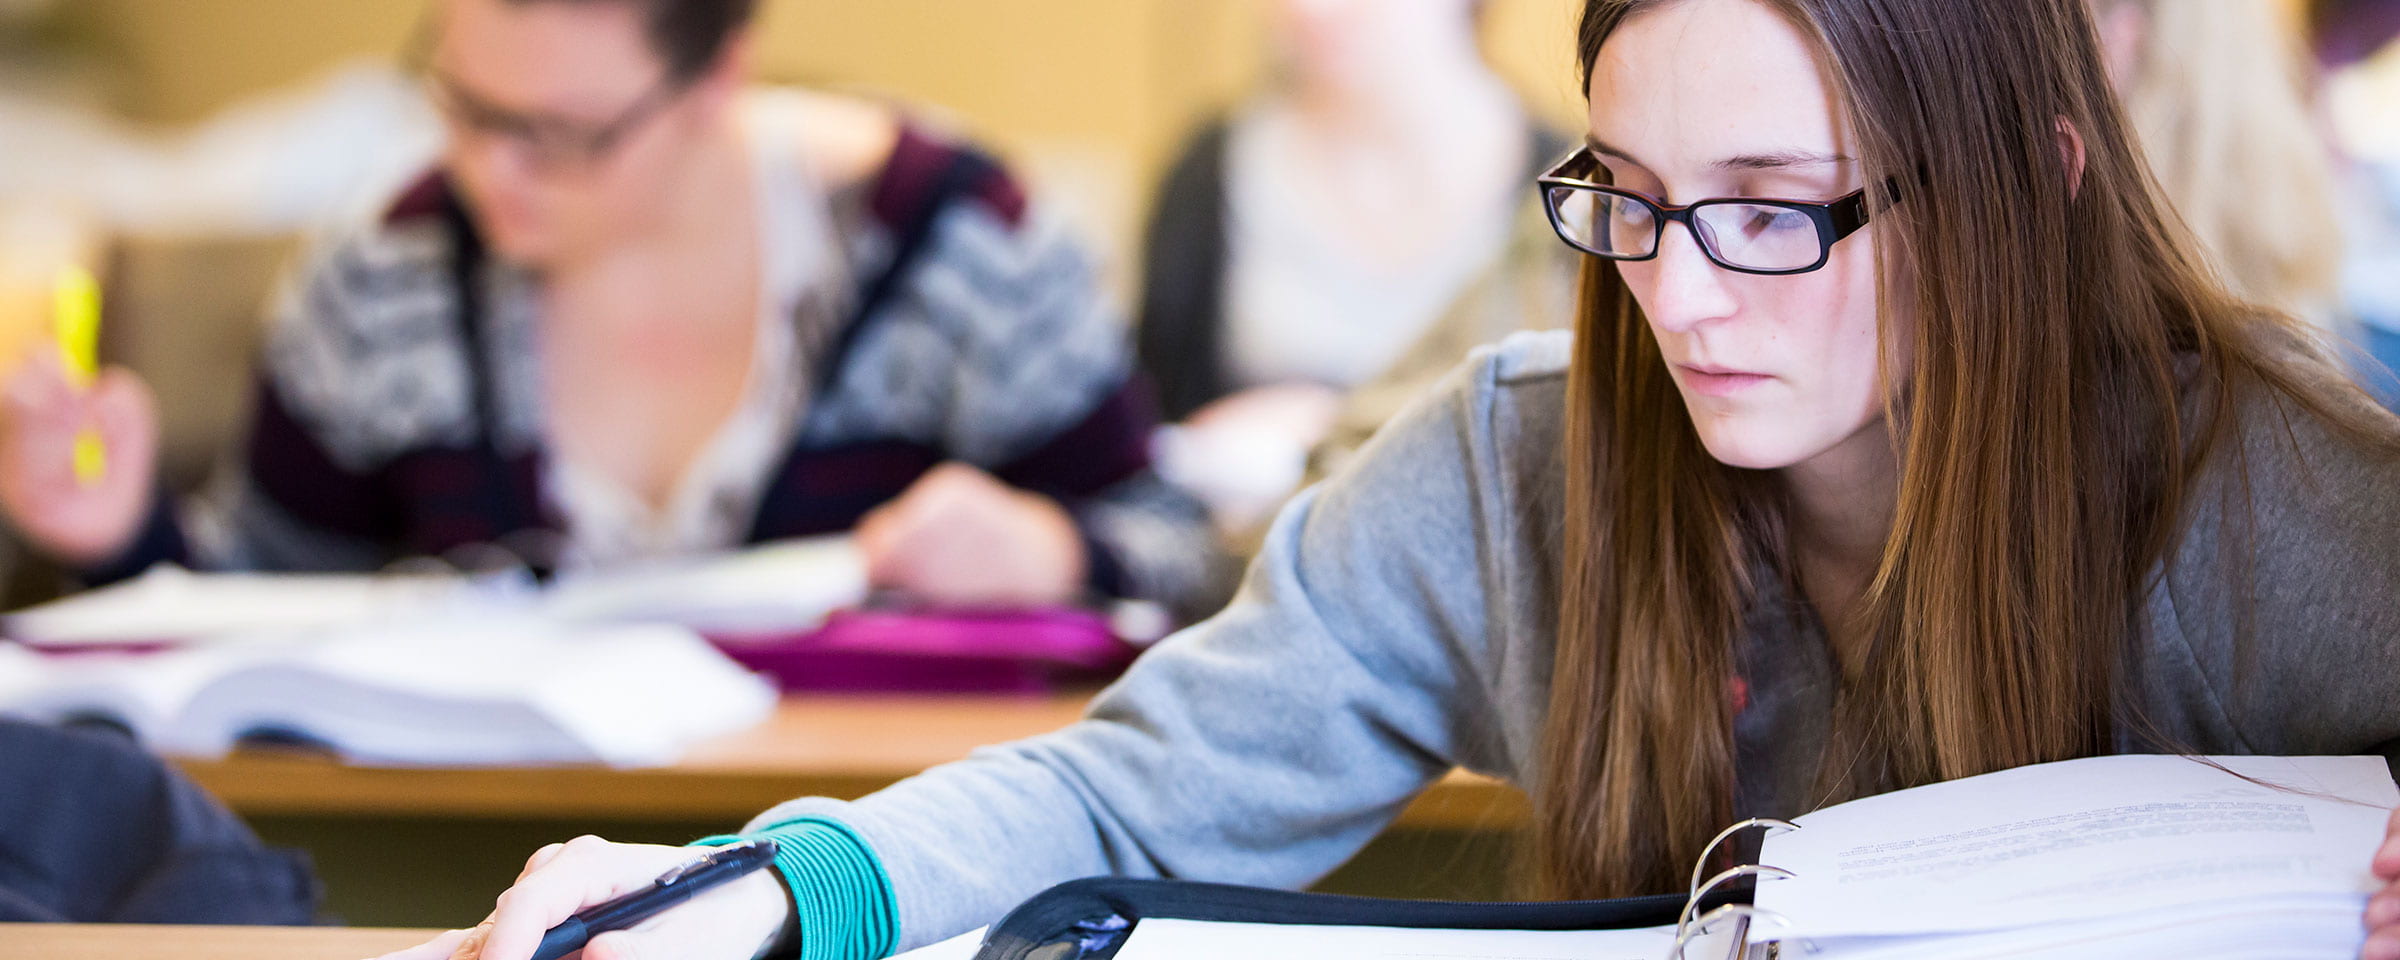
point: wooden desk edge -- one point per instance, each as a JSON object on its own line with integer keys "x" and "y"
{"x": 297, "y": 786}
{"x": 74, "y": 941}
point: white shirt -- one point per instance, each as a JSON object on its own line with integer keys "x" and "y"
{"x": 1299, "y": 306}
{"x": 801, "y": 278}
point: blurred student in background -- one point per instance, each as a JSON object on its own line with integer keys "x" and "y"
{"x": 2217, "y": 92}
{"x": 1374, "y": 198}
{"x": 2225, "y": 101}
{"x": 2358, "y": 48}
{"x": 94, "y": 830}
{"x": 644, "y": 310}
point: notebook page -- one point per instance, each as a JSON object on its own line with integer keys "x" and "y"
{"x": 1164, "y": 939}
{"x": 2282, "y": 928}
{"x": 2081, "y": 839}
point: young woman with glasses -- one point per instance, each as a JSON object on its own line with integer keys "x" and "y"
{"x": 1901, "y": 438}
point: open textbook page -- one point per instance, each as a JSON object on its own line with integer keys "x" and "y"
{"x": 452, "y": 691}
{"x": 2084, "y": 840}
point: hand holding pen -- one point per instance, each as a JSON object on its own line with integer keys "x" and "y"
{"x": 595, "y": 883}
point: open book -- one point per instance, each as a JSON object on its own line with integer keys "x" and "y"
{"x": 796, "y": 611}
{"x": 786, "y": 587}
{"x": 436, "y": 690}
{"x": 425, "y": 668}
{"x": 2109, "y": 857}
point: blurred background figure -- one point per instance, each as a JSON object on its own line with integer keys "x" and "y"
{"x": 1357, "y": 218}
{"x": 2358, "y": 48}
{"x": 93, "y": 830}
{"x": 2218, "y": 90}
{"x": 2233, "y": 111}
{"x": 195, "y": 213}
{"x": 643, "y": 310}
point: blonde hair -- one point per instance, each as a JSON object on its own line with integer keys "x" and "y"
{"x": 2217, "y": 97}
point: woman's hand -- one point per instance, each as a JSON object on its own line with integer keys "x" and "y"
{"x": 77, "y": 520}
{"x": 2383, "y": 909}
{"x": 961, "y": 538}
{"x": 737, "y": 921}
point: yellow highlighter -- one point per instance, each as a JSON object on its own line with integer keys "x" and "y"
{"x": 76, "y": 325}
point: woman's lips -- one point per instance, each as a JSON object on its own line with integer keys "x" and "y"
{"x": 1718, "y": 381}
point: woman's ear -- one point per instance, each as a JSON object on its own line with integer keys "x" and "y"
{"x": 2070, "y": 155}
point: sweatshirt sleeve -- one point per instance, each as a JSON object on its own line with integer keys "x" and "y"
{"x": 2274, "y": 630}
{"x": 1263, "y": 746}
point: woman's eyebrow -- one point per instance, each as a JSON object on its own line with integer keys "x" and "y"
{"x": 1766, "y": 160}
{"x": 1780, "y": 160}
{"x": 1600, "y": 148}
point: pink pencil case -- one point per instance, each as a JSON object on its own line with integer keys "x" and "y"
{"x": 937, "y": 652}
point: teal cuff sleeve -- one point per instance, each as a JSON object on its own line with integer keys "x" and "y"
{"x": 841, "y": 896}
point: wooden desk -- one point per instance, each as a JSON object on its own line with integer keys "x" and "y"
{"x": 846, "y": 746}
{"x": 46, "y": 941}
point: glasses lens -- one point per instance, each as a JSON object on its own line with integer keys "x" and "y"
{"x": 1604, "y": 223}
{"x": 1759, "y": 236}
{"x": 554, "y": 145}
{"x": 545, "y": 142}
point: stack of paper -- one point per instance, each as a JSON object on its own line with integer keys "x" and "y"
{"x": 2106, "y": 857}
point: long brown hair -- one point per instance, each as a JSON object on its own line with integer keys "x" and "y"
{"x": 2070, "y": 365}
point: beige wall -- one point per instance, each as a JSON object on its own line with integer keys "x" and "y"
{"x": 1093, "y": 93}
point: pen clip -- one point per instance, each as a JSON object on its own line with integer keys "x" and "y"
{"x": 677, "y": 873}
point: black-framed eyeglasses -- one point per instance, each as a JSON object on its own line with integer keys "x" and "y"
{"x": 1758, "y": 235}
{"x": 550, "y": 142}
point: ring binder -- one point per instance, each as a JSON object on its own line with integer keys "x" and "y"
{"x": 1742, "y": 912}
{"x": 1758, "y": 870}
{"x": 1686, "y": 929}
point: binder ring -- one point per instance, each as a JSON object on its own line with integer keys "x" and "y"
{"x": 1771, "y": 825}
{"x": 1760, "y": 870}
{"x": 1743, "y": 912}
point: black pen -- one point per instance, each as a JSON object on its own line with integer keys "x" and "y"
{"x": 725, "y": 864}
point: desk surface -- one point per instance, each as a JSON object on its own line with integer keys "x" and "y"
{"x": 836, "y": 746}
{"x": 45, "y": 941}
